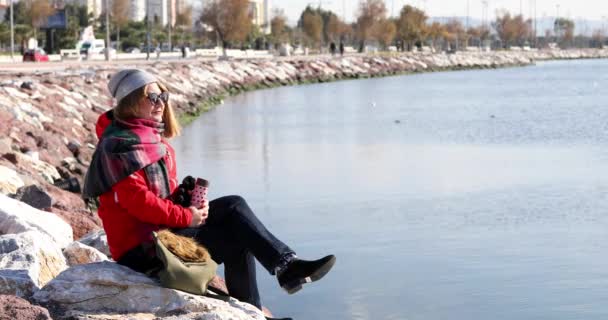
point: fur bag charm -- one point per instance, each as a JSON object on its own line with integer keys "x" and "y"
{"x": 187, "y": 266}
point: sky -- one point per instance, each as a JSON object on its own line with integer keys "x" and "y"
{"x": 574, "y": 9}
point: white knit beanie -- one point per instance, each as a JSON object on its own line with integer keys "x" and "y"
{"x": 126, "y": 81}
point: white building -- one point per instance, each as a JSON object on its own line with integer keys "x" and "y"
{"x": 4, "y": 4}
{"x": 94, "y": 7}
{"x": 137, "y": 10}
{"x": 260, "y": 14}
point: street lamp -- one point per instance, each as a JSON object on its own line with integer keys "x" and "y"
{"x": 147, "y": 29}
{"x": 12, "y": 33}
{"x": 107, "y": 31}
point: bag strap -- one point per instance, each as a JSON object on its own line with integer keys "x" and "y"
{"x": 219, "y": 294}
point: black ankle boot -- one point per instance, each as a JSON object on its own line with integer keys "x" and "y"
{"x": 299, "y": 272}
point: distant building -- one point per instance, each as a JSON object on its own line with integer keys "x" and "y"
{"x": 137, "y": 10}
{"x": 4, "y": 4}
{"x": 260, "y": 14}
{"x": 94, "y": 7}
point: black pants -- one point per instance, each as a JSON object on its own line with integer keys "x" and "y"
{"x": 234, "y": 236}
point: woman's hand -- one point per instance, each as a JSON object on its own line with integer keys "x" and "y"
{"x": 199, "y": 215}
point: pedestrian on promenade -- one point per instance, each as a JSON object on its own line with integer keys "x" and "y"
{"x": 341, "y": 48}
{"x": 133, "y": 172}
{"x": 332, "y": 48}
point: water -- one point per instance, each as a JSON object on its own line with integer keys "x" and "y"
{"x": 460, "y": 195}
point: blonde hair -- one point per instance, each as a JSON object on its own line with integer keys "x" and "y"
{"x": 128, "y": 106}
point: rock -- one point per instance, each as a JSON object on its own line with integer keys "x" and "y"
{"x": 9, "y": 180}
{"x": 81, "y": 221}
{"x": 28, "y": 261}
{"x": 47, "y": 171}
{"x": 74, "y": 147}
{"x": 106, "y": 287}
{"x": 5, "y": 145}
{"x": 15, "y": 308}
{"x": 70, "y": 184}
{"x": 98, "y": 240}
{"x": 16, "y": 217}
{"x": 29, "y": 85}
{"x": 34, "y": 196}
{"x": 78, "y": 253}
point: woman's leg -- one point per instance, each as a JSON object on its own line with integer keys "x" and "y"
{"x": 234, "y": 235}
{"x": 234, "y": 215}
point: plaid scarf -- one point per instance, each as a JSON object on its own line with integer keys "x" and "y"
{"x": 127, "y": 147}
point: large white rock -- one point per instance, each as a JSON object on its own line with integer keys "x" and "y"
{"x": 27, "y": 262}
{"x": 9, "y": 180}
{"x": 17, "y": 217}
{"x": 106, "y": 287}
{"x": 77, "y": 253}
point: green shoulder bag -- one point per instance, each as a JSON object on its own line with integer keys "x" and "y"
{"x": 191, "y": 277}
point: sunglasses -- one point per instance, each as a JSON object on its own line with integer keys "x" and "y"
{"x": 156, "y": 97}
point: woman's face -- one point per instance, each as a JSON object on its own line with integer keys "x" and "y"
{"x": 150, "y": 110}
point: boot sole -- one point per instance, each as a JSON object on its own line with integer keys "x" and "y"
{"x": 295, "y": 286}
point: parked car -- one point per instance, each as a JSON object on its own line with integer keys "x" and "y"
{"x": 35, "y": 55}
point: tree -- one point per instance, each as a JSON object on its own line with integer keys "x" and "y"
{"x": 38, "y": 11}
{"x": 278, "y": 26}
{"x": 184, "y": 18}
{"x": 511, "y": 30}
{"x": 334, "y": 28}
{"x": 564, "y": 30}
{"x": 435, "y": 31}
{"x": 183, "y": 25}
{"x": 120, "y": 16}
{"x": 455, "y": 33}
{"x": 312, "y": 25}
{"x": 230, "y": 20}
{"x": 411, "y": 25}
{"x": 385, "y": 31}
{"x": 370, "y": 13}
{"x": 597, "y": 39}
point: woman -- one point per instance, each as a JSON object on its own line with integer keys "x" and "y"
{"x": 133, "y": 172}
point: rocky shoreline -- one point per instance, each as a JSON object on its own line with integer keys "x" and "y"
{"x": 48, "y": 137}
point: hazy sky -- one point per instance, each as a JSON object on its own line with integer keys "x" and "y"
{"x": 575, "y": 9}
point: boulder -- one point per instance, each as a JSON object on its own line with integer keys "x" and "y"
{"x": 78, "y": 253}
{"x": 98, "y": 240}
{"x": 109, "y": 288}
{"x": 16, "y": 217}
{"x": 9, "y": 180}
{"x": 28, "y": 261}
{"x": 34, "y": 196}
{"x": 81, "y": 221}
{"x": 15, "y": 308}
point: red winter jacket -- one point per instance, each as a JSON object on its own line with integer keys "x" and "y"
{"x": 130, "y": 211}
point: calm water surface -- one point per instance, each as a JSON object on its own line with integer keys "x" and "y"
{"x": 461, "y": 195}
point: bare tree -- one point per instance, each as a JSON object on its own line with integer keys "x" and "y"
{"x": 385, "y": 31}
{"x": 411, "y": 25}
{"x": 370, "y": 13}
{"x": 120, "y": 16}
{"x": 230, "y": 19}
{"x": 564, "y": 30}
{"x": 38, "y": 11}
{"x": 184, "y": 18}
{"x": 277, "y": 25}
{"x": 312, "y": 25}
{"x": 511, "y": 30}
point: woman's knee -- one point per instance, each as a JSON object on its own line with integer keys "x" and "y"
{"x": 229, "y": 201}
